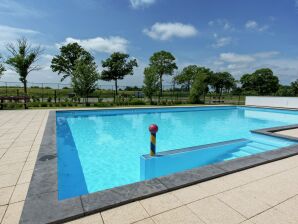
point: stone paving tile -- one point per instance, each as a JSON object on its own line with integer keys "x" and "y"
{"x": 247, "y": 222}
{"x": 190, "y": 194}
{"x": 243, "y": 202}
{"x": 13, "y": 168}
{"x": 181, "y": 215}
{"x": 19, "y": 193}
{"x": 7, "y": 180}
{"x": 160, "y": 203}
{"x": 13, "y": 213}
{"x": 213, "y": 211}
{"x": 272, "y": 216}
{"x": 25, "y": 176}
{"x": 125, "y": 214}
{"x": 2, "y": 211}
{"x": 145, "y": 221}
{"x": 5, "y": 194}
{"x": 91, "y": 219}
{"x": 29, "y": 165}
{"x": 274, "y": 189}
{"x": 289, "y": 208}
{"x": 225, "y": 183}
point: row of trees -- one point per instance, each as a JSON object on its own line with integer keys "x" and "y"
{"x": 74, "y": 62}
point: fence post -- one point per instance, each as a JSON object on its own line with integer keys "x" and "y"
{"x": 41, "y": 92}
{"x": 55, "y": 95}
{"x": 58, "y": 93}
{"x": 6, "y": 88}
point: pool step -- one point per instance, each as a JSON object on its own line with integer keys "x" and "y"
{"x": 240, "y": 153}
{"x": 251, "y": 149}
{"x": 274, "y": 144}
{"x": 261, "y": 146}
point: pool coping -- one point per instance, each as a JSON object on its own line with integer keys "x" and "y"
{"x": 42, "y": 204}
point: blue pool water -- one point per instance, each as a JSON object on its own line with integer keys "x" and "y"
{"x": 99, "y": 150}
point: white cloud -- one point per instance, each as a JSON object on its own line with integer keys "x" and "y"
{"x": 136, "y": 4}
{"x": 166, "y": 31}
{"x": 100, "y": 44}
{"x": 246, "y": 58}
{"x": 221, "y": 42}
{"x": 236, "y": 58}
{"x": 253, "y": 25}
{"x": 14, "y": 8}
{"x": 10, "y": 34}
{"x": 296, "y": 3}
{"x": 266, "y": 54}
{"x": 238, "y": 64}
{"x": 223, "y": 23}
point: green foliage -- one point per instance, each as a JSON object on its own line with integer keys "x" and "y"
{"x": 2, "y": 68}
{"x": 116, "y": 67}
{"x": 294, "y": 87}
{"x": 198, "y": 89}
{"x": 137, "y": 102}
{"x": 85, "y": 77}
{"x": 285, "y": 91}
{"x": 164, "y": 64}
{"x": 150, "y": 82}
{"x": 262, "y": 81}
{"x": 222, "y": 81}
{"x": 23, "y": 59}
{"x": 189, "y": 74}
{"x": 66, "y": 61}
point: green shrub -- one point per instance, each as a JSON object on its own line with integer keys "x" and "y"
{"x": 50, "y": 99}
{"x": 34, "y": 104}
{"x": 103, "y": 104}
{"x": 137, "y": 102}
{"x": 43, "y": 104}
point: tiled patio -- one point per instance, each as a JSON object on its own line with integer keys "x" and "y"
{"x": 265, "y": 194}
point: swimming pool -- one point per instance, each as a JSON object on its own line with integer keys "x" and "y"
{"x": 101, "y": 149}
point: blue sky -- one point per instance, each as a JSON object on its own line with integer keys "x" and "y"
{"x": 237, "y": 36}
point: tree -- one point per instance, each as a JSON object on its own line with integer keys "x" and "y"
{"x": 150, "y": 82}
{"x": 65, "y": 62}
{"x": 294, "y": 87}
{"x": 198, "y": 88}
{"x": 23, "y": 58}
{"x": 2, "y": 68}
{"x": 85, "y": 77}
{"x": 262, "y": 81}
{"x": 222, "y": 81}
{"x": 285, "y": 91}
{"x": 116, "y": 67}
{"x": 187, "y": 76}
{"x": 164, "y": 64}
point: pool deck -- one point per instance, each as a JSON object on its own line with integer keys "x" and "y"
{"x": 264, "y": 194}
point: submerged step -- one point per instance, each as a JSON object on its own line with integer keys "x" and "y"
{"x": 252, "y": 150}
{"x": 241, "y": 154}
{"x": 262, "y": 146}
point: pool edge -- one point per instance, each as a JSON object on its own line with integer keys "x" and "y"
{"x": 43, "y": 206}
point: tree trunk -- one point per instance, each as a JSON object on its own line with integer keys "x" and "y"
{"x": 116, "y": 86}
{"x": 25, "y": 87}
{"x": 25, "y": 93}
{"x": 160, "y": 86}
